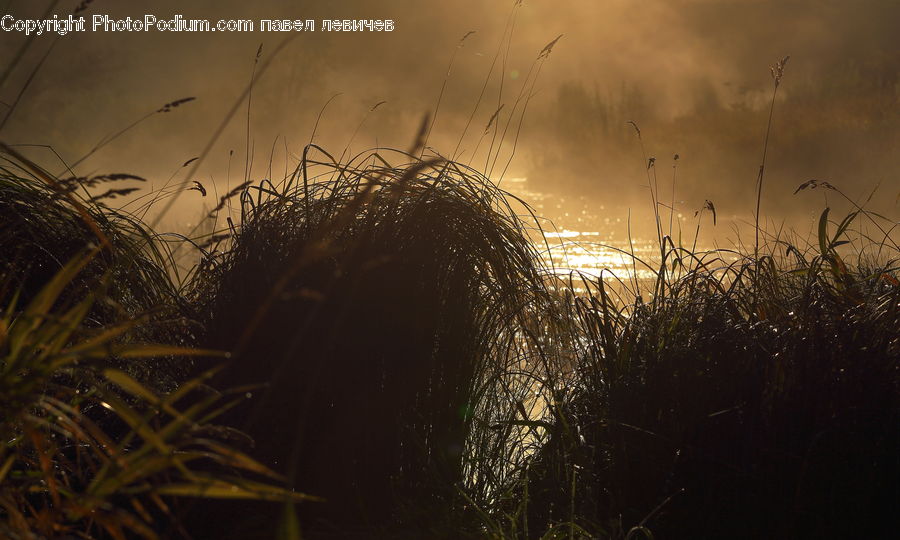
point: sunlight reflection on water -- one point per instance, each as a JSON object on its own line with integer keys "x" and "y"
{"x": 577, "y": 237}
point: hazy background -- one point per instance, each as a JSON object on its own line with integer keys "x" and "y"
{"x": 693, "y": 74}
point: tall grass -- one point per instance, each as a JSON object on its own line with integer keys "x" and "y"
{"x": 753, "y": 398}
{"x": 424, "y": 373}
{"x": 427, "y": 372}
{"x": 400, "y": 350}
{"x": 102, "y": 433}
{"x": 385, "y": 302}
{"x": 757, "y": 399}
{"x": 47, "y": 221}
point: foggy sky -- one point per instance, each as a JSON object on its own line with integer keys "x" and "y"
{"x": 693, "y": 74}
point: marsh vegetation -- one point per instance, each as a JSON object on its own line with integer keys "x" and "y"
{"x": 376, "y": 345}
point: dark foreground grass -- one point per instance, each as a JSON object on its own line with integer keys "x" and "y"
{"x": 760, "y": 401}
{"x": 101, "y": 433}
{"x": 425, "y": 375}
{"x": 381, "y": 304}
{"x": 47, "y": 221}
{"x": 428, "y": 376}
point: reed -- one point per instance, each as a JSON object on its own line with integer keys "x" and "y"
{"x": 402, "y": 361}
{"x": 47, "y": 221}
{"x": 102, "y": 433}
{"x": 692, "y": 415}
{"x": 421, "y": 370}
{"x": 385, "y": 305}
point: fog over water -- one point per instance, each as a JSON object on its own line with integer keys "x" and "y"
{"x": 692, "y": 74}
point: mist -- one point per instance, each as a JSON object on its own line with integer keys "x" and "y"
{"x": 692, "y": 74}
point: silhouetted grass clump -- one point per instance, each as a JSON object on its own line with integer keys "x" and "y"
{"x": 96, "y": 441}
{"x": 380, "y": 303}
{"x": 47, "y": 221}
{"x": 758, "y": 399}
{"x": 410, "y": 360}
